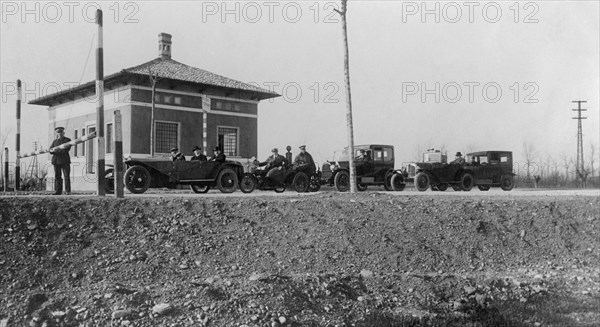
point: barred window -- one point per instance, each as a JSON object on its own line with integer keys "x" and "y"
{"x": 109, "y": 140}
{"x": 228, "y": 140}
{"x": 166, "y": 134}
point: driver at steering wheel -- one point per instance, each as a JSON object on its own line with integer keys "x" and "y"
{"x": 275, "y": 160}
{"x": 304, "y": 162}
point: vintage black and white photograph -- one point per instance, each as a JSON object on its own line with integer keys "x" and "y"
{"x": 300, "y": 163}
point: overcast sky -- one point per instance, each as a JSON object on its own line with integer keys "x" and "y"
{"x": 503, "y": 74}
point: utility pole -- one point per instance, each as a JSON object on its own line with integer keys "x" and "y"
{"x": 579, "y": 168}
{"x": 349, "y": 125}
{"x": 153, "y": 81}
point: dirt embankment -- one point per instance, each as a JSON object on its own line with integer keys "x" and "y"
{"x": 324, "y": 260}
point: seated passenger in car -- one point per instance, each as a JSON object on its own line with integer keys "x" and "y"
{"x": 458, "y": 159}
{"x": 218, "y": 156}
{"x": 176, "y": 155}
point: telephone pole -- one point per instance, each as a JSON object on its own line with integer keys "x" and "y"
{"x": 579, "y": 168}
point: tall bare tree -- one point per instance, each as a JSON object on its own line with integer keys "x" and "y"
{"x": 529, "y": 153}
{"x": 592, "y": 159}
{"x": 566, "y": 164}
{"x": 349, "y": 125}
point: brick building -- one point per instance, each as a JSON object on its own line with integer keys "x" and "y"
{"x": 192, "y": 107}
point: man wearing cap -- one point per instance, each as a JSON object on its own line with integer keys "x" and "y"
{"x": 218, "y": 155}
{"x": 176, "y": 155}
{"x": 304, "y": 161}
{"x": 61, "y": 161}
{"x": 198, "y": 155}
{"x": 273, "y": 161}
{"x": 458, "y": 159}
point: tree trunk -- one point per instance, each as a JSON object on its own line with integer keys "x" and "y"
{"x": 349, "y": 126}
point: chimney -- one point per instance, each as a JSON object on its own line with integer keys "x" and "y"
{"x": 164, "y": 45}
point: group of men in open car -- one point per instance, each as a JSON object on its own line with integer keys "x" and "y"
{"x": 276, "y": 165}
{"x": 198, "y": 155}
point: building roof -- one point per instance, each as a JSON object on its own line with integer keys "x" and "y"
{"x": 164, "y": 68}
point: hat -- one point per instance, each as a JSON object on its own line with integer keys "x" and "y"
{"x": 302, "y": 147}
{"x": 458, "y": 154}
{"x": 274, "y": 150}
{"x": 175, "y": 149}
{"x": 59, "y": 129}
{"x": 197, "y": 148}
{"x": 217, "y": 148}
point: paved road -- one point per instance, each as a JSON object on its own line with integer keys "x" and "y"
{"x": 494, "y": 192}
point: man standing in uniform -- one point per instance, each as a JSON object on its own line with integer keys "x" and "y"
{"x": 62, "y": 162}
{"x": 304, "y": 161}
{"x": 198, "y": 155}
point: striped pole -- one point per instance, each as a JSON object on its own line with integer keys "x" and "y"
{"x": 18, "y": 139}
{"x": 62, "y": 146}
{"x": 100, "y": 108}
{"x": 5, "y": 169}
{"x": 118, "y": 155}
{"x": 205, "y": 107}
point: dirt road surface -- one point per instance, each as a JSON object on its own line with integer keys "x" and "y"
{"x": 519, "y": 258}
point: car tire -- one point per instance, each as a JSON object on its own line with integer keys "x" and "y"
{"x": 422, "y": 182}
{"x": 442, "y": 187}
{"x": 467, "y": 182}
{"x": 315, "y": 184}
{"x": 227, "y": 181}
{"x": 387, "y": 182}
{"x": 248, "y": 183}
{"x": 483, "y": 187}
{"x": 507, "y": 182}
{"x": 109, "y": 181}
{"x": 301, "y": 182}
{"x": 342, "y": 181}
{"x": 137, "y": 179}
{"x": 199, "y": 189}
{"x": 280, "y": 188}
{"x": 398, "y": 184}
{"x": 361, "y": 187}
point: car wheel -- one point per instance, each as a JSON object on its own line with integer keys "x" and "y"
{"x": 248, "y": 183}
{"x": 199, "y": 188}
{"x": 442, "y": 187}
{"x": 361, "y": 187}
{"x": 387, "y": 184}
{"x": 227, "y": 181}
{"x": 422, "y": 182}
{"x": 109, "y": 181}
{"x": 466, "y": 182}
{"x": 137, "y": 179}
{"x": 398, "y": 182}
{"x": 483, "y": 187}
{"x": 280, "y": 188}
{"x": 301, "y": 182}
{"x": 342, "y": 181}
{"x": 315, "y": 184}
{"x": 506, "y": 182}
